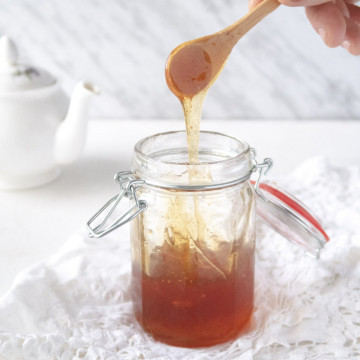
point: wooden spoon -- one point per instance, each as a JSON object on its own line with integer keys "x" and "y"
{"x": 194, "y": 65}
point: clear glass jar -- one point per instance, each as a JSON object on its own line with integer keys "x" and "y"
{"x": 193, "y": 234}
{"x": 193, "y": 247}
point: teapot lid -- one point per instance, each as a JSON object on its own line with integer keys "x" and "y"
{"x": 18, "y": 77}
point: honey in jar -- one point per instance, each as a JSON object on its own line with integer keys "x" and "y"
{"x": 193, "y": 248}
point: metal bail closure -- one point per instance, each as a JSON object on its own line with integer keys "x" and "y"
{"x": 287, "y": 215}
{"x": 109, "y": 221}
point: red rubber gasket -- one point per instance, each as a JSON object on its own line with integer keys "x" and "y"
{"x": 293, "y": 205}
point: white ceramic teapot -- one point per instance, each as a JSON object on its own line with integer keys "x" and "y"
{"x": 39, "y": 130}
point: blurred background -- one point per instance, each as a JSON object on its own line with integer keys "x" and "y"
{"x": 279, "y": 70}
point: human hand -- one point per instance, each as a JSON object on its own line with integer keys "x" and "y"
{"x": 336, "y": 21}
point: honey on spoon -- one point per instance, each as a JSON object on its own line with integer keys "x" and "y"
{"x": 193, "y": 67}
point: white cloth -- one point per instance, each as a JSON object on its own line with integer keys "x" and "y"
{"x": 77, "y": 304}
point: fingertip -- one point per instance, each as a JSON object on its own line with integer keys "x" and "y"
{"x": 253, "y": 3}
{"x": 352, "y": 38}
{"x": 354, "y": 13}
{"x": 296, "y": 3}
{"x": 322, "y": 32}
{"x": 329, "y": 22}
{"x": 346, "y": 44}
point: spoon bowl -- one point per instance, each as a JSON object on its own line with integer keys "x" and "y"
{"x": 193, "y": 66}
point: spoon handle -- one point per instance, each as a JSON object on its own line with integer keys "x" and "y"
{"x": 246, "y": 23}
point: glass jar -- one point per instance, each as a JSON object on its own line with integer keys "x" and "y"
{"x": 193, "y": 234}
{"x": 193, "y": 248}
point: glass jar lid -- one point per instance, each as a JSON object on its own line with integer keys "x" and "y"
{"x": 288, "y": 216}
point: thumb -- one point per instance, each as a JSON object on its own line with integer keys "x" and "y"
{"x": 303, "y": 2}
{"x": 253, "y": 3}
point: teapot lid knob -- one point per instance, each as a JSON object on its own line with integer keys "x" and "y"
{"x": 16, "y": 76}
{"x": 8, "y": 51}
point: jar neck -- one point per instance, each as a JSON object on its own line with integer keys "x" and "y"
{"x": 162, "y": 160}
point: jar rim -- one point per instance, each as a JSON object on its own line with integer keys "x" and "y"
{"x": 161, "y": 159}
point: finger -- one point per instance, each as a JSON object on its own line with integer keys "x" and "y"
{"x": 303, "y": 2}
{"x": 328, "y": 20}
{"x": 352, "y": 38}
{"x": 343, "y": 7}
{"x": 354, "y": 12}
{"x": 253, "y": 3}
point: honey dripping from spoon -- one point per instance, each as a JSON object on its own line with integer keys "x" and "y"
{"x": 193, "y": 67}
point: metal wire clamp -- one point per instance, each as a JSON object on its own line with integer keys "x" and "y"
{"x": 128, "y": 185}
{"x": 263, "y": 168}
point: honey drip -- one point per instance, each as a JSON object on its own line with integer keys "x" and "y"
{"x": 190, "y": 72}
{"x": 192, "y": 108}
{"x": 189, "y": 75}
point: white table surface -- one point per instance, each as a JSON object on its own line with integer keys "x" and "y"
{"x": 36, "y": 222}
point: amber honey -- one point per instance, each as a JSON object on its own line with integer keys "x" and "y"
{"x": 188, "y": 307}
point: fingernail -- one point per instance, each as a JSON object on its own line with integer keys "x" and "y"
{"x": 322, "y": 32}
{"x": 346, "y": 45}
{"x": 251, "y": 4}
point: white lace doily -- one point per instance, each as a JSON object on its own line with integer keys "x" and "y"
{"x": 76, "y": 305}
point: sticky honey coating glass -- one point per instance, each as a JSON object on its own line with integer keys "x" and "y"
{"x": 193, "y": 247}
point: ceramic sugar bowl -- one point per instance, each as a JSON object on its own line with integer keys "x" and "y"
{"x": 40, "y": 129}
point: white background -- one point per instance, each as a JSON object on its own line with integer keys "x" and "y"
{"x": 280, "y": 70}
{"x": 279, "y": 73}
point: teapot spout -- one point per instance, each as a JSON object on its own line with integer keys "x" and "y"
{"x": 71, "y": 133}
